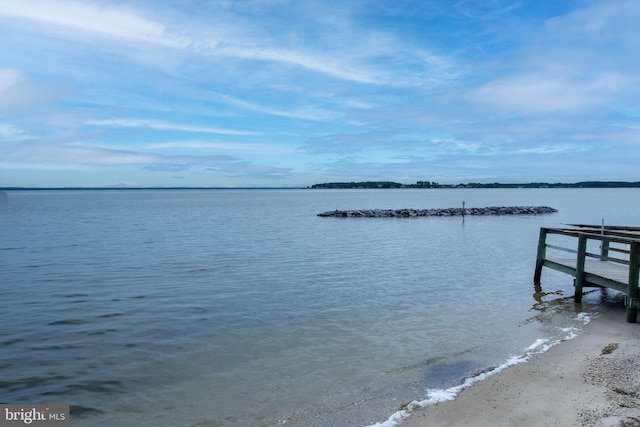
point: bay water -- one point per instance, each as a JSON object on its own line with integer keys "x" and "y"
{"x": 244, "y": 308}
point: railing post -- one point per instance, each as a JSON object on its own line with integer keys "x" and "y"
{"x": 582, "y": 254}
{"x": 604, "y": 250}
{"x": 632, "y": 290}
{"x": 542, "y": 251}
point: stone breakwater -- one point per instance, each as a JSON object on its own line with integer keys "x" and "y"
{"x": 408, "y": 213}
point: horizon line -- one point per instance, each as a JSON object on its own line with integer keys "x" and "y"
{"x": 13, "y": 188}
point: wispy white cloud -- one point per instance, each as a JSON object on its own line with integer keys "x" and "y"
{"x": 9, "y": 78}
{"x": 304, "y": 112}
{"x": 85, "y": 155}
{"x": 100, "y": 19}
{"x": 317, "y": 62}
{"x": 454, "y": 145}
{"x": 74, "y": 153}
{"x": 555, "y": 149}
{"x": 376, "y": 140}
{"x": 159, "y": 125}
{"x": 576, "y": 63}
{"x": 12, "y": 133}
{"x": 253, "y": 148}
{"x": 357, "y": 61}
{"x": 486, "y": 9}
{"x": 549, "y": 93}
{"x": 600, "y": 22}
{"x": 18, "y": 92}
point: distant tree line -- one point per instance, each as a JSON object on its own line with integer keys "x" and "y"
{"x": 367, "y": 184}
{"x": 376, "y": 184}
{"x": 583, "y": 184}
{"x": 429, "y": 184}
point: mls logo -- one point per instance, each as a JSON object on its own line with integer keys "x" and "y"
{"x": 34, "y": 415}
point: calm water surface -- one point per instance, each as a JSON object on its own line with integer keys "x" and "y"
{"x": 243, "y": 308}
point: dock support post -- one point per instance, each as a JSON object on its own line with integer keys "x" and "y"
{"x": 582, "y": 254}
{"x": 632, "y": 290}
{"x": 604, "y": 250}
{"x": 542, "y": 251}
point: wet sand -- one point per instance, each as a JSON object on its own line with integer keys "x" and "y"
{"x": 590, "y": 380}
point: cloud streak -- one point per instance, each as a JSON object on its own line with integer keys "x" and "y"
{"x": 550, "y": 93}
{"x": 158, "y": 125}
{"x": 108, "y": 21}
{"x": 18, "y": 93}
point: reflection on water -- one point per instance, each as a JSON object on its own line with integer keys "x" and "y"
{"x": 548, "y": 304}
{"x": 548, "y": 301}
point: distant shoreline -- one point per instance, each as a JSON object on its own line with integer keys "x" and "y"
{"x": 428, "y": 184}
{"x": 366, "y": 185}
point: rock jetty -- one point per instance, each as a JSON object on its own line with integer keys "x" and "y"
{"x": 408, "y": 213}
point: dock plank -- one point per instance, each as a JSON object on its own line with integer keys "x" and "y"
{"x": 611, "y": 270}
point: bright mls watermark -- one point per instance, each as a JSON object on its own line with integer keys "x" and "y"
{"x": 34, "y": 415}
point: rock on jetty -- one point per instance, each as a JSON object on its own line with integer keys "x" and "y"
{"x": 408, "y": 213}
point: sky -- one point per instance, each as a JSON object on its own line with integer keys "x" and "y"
{"x": 290, "y": 93}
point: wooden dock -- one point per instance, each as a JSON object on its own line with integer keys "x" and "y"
{"x": 603, "y": 256}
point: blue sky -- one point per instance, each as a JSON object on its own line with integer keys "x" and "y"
{"x": 292, "y": 93}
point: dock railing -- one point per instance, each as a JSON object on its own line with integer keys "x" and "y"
{"x": 601, "y": 256}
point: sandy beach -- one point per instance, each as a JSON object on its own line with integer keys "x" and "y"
{"x": 590, "y": 380}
